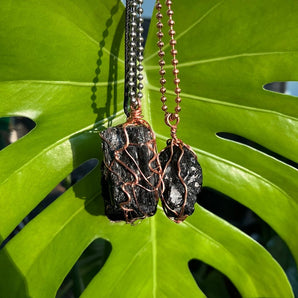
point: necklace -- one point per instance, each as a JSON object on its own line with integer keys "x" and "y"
{"x": 131, "y": 170}
{"x": 182, "y": 174}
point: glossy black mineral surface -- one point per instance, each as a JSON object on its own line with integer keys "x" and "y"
{"x": 182, "y": 181}
{"x": 128, "y": 182}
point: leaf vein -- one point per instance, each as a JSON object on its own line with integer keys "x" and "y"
{"x": 233, "y": 105}
{"x": 198, "y": 21}
{"x": 223, "y": 58}
{"x": 83, "y": 206}
{"x": 239, "y": 167}
{"x": 118, "y": 115}
{"x": 68, "y": 83}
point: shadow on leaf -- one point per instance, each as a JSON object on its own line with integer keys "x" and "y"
{"x": 87, "y": 145}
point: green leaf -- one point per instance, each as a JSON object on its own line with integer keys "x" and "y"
{"x": 62, "y": 66}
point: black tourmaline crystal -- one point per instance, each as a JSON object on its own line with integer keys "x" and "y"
{"x": 130, "y": 186}
{"x": 182, "y": 177}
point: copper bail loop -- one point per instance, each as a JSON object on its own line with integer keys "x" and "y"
{"x": 135, "y": 114}
{"x": 175, "y": 119}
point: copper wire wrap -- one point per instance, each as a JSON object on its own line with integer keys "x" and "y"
{"x": 181, "y": 171}
{"x": 136, "y": 116}
{"x": 179, "y": 216}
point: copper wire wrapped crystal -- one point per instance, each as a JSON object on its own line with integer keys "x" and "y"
{"x": 131, "y": 170}
{"x": 182, "y": 174}
{"x": 182, "y": 178}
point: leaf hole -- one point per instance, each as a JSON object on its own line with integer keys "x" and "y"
{"x": 14, "y": 128}
{"x": 73, "y": 178}
{"x": 236, "y": 214}
{"x": 225, "y": 207}
{"x": 253, "y": 145}
{"x": 289, "y": 88}
{"x": 278, "y": 87}
{"x": 251, "y": 224}
{"x": 87, "y": 266}
{"x": 212, "y": 282}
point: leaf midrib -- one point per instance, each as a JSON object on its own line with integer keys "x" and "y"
{"x": 154, "y": 256}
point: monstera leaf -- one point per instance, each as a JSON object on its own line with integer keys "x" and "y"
{"x": 62, "y": 66}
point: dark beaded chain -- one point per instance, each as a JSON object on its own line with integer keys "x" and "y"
{"x": 135, "y": 53}
{"x": 140, "y": 48}
{"x": 161, "y": 53}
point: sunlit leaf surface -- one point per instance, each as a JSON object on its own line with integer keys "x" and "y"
{"x": 62, "y": 65}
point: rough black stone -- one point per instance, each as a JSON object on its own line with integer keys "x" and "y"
{"x": 119, "y": 176}
{"x": 176, "y": 204}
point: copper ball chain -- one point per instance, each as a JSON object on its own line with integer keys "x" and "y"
{"x": 161, "y": 53}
